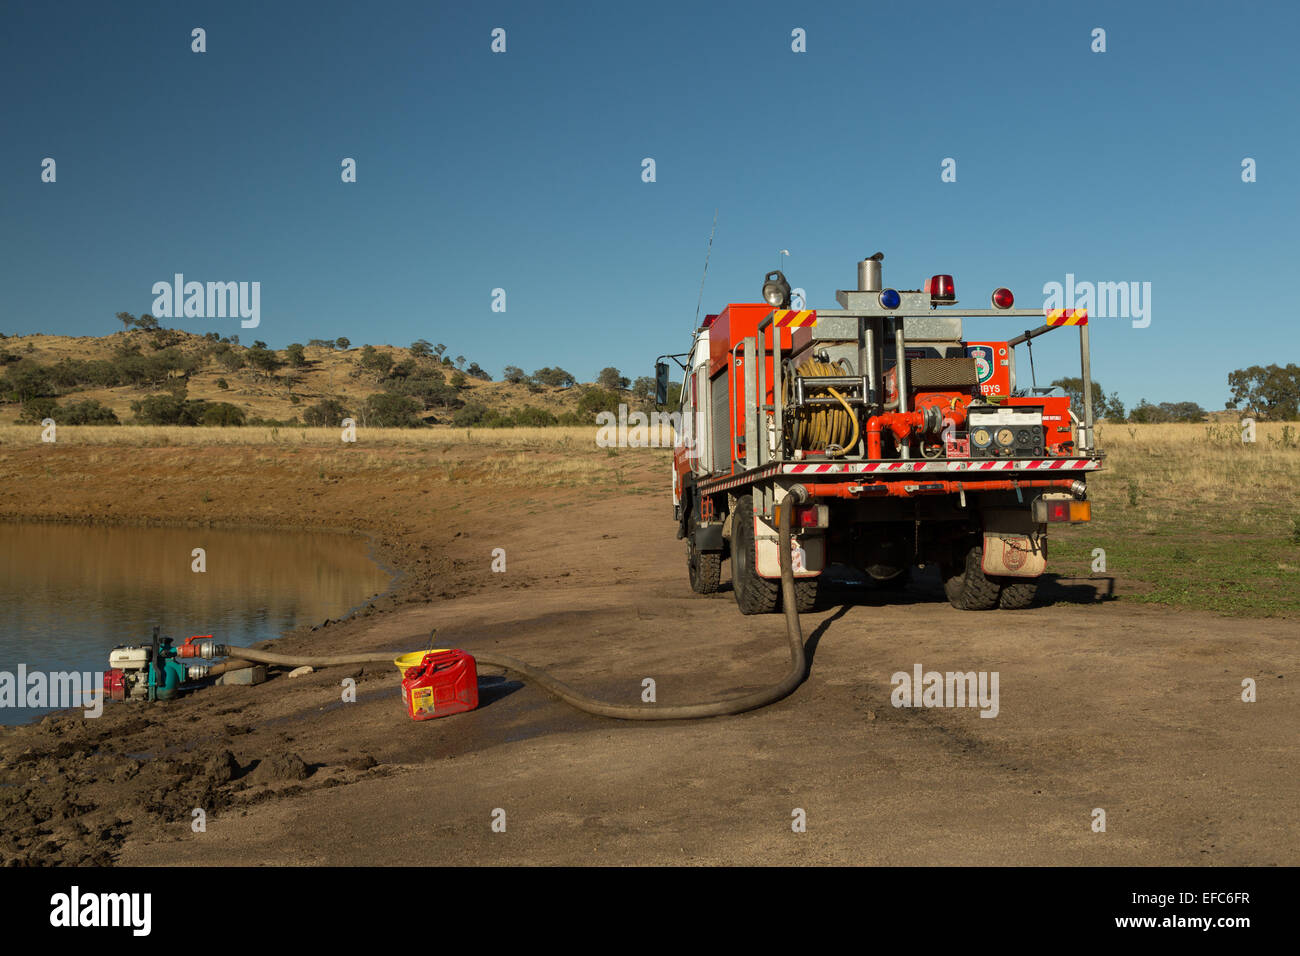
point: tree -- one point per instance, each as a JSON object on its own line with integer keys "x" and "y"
{"x": 223, "y": 384}
{"x": 611, "y": 377}
{"x": 222, "y": 414}
{"x": 263, "y": 358}
{"x": 342, "y": 343}
{"x": 87, "y": 412}
{"x": 386, "y": 410}
{"x": 460, "y": 361}
{"x": 421, "y": 348}
{"x": 643, "y": 389}
{"x": 478, "y": 372}
{"x": 514, "y": 374}
{"x": 458, "y": 380}
{"x": 147, "y": 322}
{"x": 528, "y": 416}
{"x": 327, "y": 413}
{"x": 553, "y": 376}
{"x": 39, "y": 409}
{"x": 1101, "y": 405}
{"x": 376, "y": 360}
{"x": 596, "y": 399}
{"x": 126, "y": 318}
{"x": 440, "y": 348}
{"x": 297, "y": 355}
{"x": 1268, "y": 391}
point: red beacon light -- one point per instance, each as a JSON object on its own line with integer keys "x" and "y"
{"x": 941, "y": 289}
{"x": 1003, "y": 299}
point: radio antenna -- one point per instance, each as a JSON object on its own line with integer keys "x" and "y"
{"x": 706, "y": 269}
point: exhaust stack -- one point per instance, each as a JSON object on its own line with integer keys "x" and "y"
{"x": 869, "y": 274}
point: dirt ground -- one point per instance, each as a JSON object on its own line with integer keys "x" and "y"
{"x": 1133, "y": 710}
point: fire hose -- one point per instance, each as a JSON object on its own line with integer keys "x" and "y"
{"x": 574, "y": 698}
{"x": 825, "y": 429}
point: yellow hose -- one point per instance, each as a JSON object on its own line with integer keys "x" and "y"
{"x": 834, "y": 430}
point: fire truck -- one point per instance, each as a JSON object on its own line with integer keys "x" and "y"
{"x": 898, "y": 443}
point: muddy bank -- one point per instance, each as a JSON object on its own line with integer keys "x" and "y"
{"x": 72, "y": 790}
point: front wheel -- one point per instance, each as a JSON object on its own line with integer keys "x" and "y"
{"x": 704, "y": 567}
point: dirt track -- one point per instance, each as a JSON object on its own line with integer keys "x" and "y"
{"x": 1135, "y": 710}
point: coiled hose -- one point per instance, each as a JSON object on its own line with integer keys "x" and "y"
{"x": 820, "y": 428}
{"x": 731, "y": 705}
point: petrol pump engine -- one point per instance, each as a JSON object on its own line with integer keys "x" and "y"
{"x": 148, "y": 672}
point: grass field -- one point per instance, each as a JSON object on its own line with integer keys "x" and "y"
{"x": 1190, "y": 516}
{"x": 1187, "y": 515}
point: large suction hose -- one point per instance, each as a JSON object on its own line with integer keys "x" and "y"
{"x": 731, "y": 705}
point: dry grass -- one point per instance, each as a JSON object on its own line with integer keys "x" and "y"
{"x": 575, "y": 438}
{"x": 1205, "y": 464}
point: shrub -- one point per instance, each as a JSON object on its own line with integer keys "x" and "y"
{"x": 387, "y": 410}
{"x": 328, "y": 413}
{"x": 87, "y": 412}
{"x": 223, "y": 414}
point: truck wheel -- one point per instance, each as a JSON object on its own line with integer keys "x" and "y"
{"x": 966, "y": 585}
{"x": 1017, "y": 594}
{"x": 754, "y": 595}
{"x": 704, "y": 567}
{"x": 805, "y": 594}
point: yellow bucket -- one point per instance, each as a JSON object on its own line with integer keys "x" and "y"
{"x": 414, "y": 658}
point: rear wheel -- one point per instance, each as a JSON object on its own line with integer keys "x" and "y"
{"x": 805, "y": 594}
{"x": 1018, "y": 593}
{"x": 754, "y": 595}
{"x": 966, "y": 585}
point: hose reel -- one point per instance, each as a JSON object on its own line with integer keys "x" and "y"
{"x": 818, "y": 424}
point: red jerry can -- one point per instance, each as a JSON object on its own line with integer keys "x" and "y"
{"x": 445, "y": 682}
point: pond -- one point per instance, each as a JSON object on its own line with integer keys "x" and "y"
{"x": 70, "y": 593}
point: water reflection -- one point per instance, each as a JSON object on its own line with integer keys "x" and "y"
{"x": 69, "y": 593}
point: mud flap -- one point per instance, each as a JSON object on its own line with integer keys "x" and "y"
{"x": 1013, "y": 555}
{"x": 807, "y": 559}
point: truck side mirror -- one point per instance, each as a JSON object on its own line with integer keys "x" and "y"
{"x": 661, "y": 383}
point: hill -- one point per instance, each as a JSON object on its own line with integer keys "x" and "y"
{"x": 122, "y": 370}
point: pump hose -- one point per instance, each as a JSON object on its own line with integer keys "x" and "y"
{"x": 820, "y": 427}
{"x": 731, "y": 705}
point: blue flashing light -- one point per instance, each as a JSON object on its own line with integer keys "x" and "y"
{"x": 890, "y": 299}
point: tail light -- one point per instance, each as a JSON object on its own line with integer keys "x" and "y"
{"x": 1049, "y": 510}
{"x": 805, "y": 517}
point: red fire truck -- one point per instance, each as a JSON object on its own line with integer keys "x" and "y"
{"x": 912, "y": 445}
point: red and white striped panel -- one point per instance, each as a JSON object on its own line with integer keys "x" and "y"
{"x": 910, "y": 467}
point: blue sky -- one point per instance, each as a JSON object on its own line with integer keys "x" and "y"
{"x": 522, "y": 170}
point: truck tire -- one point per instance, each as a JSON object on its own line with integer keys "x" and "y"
{"x": 754, "y": 595}
{"x": 805, "y": 594}
{"x": 1017, "y": 593}
{"x": 966, "y": 585}
{"x": 704, "y": 567}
